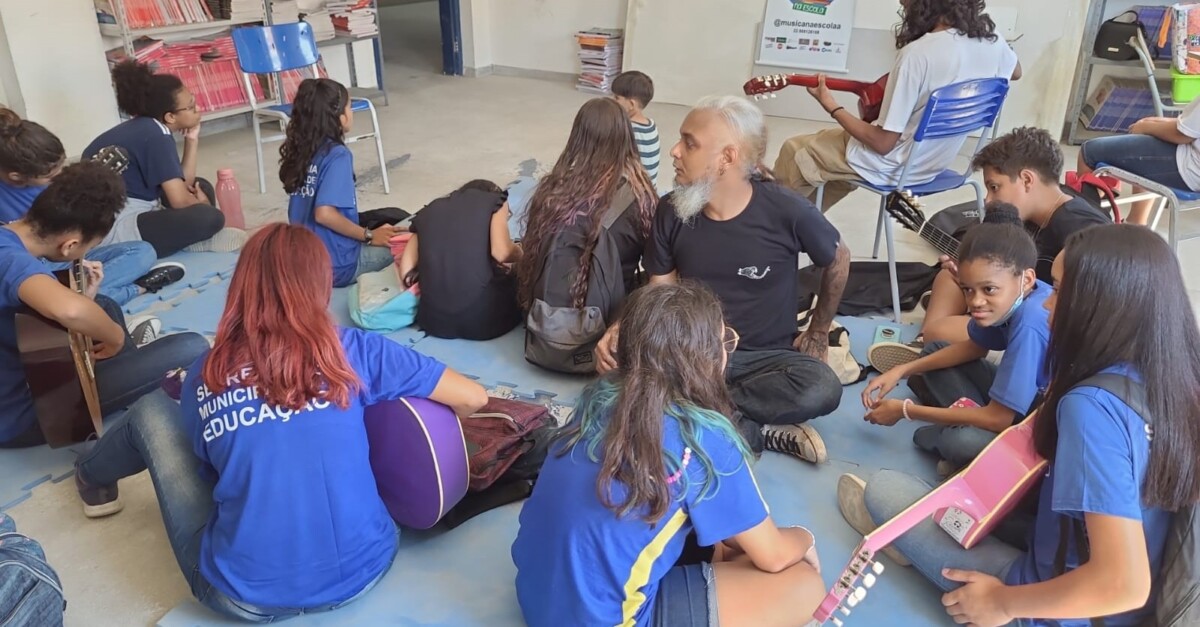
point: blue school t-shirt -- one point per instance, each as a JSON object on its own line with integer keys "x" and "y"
{"x": 578, "y": 564}
{"x": 330, "y": 182}
{"x": 1100, "y": 465}
{"x": 153, "y": 157}
{"x": 16, "y": 266}
{"x": 1024, "y": 340}
{"x": 15, "y": 201}
{"x": 297, "y": 519}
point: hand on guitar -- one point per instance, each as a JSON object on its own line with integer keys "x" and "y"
{"x": 95, "y": 274}
{"x": 949, "y": 265}
{"x": 977, "y": 602}
{"x": 879, "y": 387}
{"x": 104, "y": 350}
{"x": 887, "y": 412}
{"x": 822, "y": 94}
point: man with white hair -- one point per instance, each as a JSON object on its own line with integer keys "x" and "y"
{"x": 726, "y": 227}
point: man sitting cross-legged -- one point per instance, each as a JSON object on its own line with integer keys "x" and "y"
{"x": 941, "y": 42}
{"x": 742, "y": 236}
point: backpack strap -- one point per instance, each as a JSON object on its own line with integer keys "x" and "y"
{"x": 620, "y": 202}
{"x": 1132, "y": 394}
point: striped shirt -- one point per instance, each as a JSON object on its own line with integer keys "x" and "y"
{"x": 646, "y": 138}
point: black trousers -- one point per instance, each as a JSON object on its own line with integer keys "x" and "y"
{"x": 779, "y": 387}
{"x": 171, "y": 230}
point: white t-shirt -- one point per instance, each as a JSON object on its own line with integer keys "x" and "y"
{"x": 931, "y": 62}
{"x": 1187, "y": 156}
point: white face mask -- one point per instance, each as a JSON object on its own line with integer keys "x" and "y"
{"x": 1012, "y": 310}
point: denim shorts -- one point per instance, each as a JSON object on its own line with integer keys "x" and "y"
{"x": 1145, "y": 156}
{"x": 686, "y": 598}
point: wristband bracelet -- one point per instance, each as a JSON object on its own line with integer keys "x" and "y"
{"x": 904, "y": 408}
{"x": 833, "y": 114}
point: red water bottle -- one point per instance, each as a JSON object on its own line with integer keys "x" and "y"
{"x": 229, "y": 199}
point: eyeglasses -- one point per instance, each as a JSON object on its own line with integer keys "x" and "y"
{"x": 191, "y": 107}
{"x": 730, "y": 340}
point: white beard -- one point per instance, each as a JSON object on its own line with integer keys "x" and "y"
{"x": 689, "y": 200}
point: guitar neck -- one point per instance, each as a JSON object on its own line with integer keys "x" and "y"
{"x": 944, "y": 496}
{"x": 836, "y": 84}
{"x": 944, "y": 242}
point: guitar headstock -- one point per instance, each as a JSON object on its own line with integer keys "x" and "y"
{"x": 765, "y": 86}
{"x": 846, "y": 594}
{"x": 114, "y": 158}
{"x": 906, "y": 209}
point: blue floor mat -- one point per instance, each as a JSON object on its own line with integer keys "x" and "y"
{"x": 427, "y": 583}
{"x": 25, "y": 469}
{"x": 202, "y": 268}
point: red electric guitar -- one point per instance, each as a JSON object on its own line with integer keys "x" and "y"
{"x": 870, "y": 95}
{"x": 967, "y": 506}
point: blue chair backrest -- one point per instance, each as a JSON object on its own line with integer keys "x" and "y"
{"x": 268, "y": 49}
{"x": 962, "y": 108}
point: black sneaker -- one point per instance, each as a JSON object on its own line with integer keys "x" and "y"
{"x": 98, "y": 501}
{"x": 160, "y": 276}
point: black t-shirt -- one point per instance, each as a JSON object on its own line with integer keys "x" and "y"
{"x": 750, "y": 261}
{"x": 464, "y": 292}
{"x": 1074, "y": 215}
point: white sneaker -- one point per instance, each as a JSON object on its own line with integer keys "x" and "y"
{"x": 143, "y": 329}
{"x": 226, "y": 240}
{"x": 887, "y": 355}
{"x": 800, "y": 441}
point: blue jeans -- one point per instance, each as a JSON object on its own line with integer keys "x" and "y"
{"x": 151, "y": 436}
{"x": 686, "y": 597}
{"x": 928, "y": 547}
{"x": 957, "y": 444}
{"x": 1143, "y": 155}
{"x": 30, "y": 591}
{"x": 124, "y": 263}
{"x": 373, "y": 259}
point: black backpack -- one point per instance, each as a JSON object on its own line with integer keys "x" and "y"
{"x": 33, "y": 592}
{"x": 868, "y": 287}
{"x": 559, "y": 336}
{"x": 1177, "y": 587}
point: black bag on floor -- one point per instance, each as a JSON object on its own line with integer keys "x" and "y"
{"x": 868, "y": 288}
{"x": 376, "y": 218}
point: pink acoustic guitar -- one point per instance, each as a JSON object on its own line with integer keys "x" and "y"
{"x": 419, "y": 458}
{"x": 967, "y": 507}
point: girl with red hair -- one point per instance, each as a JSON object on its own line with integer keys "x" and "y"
{"x": 281, "y": 515}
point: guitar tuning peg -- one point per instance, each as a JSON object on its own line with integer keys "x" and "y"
{"x": 845, "y": 610}
{"x": 851, "y": 601}
{"x": 869, "y": 580}
{"x": 773, "y": 94}
{"x": 837, "y": 621}
{"x": 860, "y": 593}
{"x": 877, "y": 567}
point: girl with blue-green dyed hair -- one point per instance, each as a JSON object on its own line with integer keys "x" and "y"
{"x": 649, "y": 465}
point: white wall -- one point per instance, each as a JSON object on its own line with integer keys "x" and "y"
{"x": 697, "y": 47}
{"x": 536, "y": 35}
{"x": 55, "y": 68}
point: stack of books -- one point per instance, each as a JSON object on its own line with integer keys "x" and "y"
{"x": 220, "y": 9}
{"x": 600, "y": 56}
{"x": 322, "y": 25}
{"x": 353, "y": 18}
{"x": 155, "y": 13}
{"x": 285, "y": 11}
{"x": 242, "y": 11}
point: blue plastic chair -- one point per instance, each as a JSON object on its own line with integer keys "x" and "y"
{"x": 1177, "y": 200}
{"x": 275, "y": 49}
{"x": 952, "y": 111}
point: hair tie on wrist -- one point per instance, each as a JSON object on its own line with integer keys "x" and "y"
{"x": 833, "y": 114}
{"x": 904, "y": 408}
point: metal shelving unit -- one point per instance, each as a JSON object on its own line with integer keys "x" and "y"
{"x": 373, "y": 93}
{"x": 1075, "y": 132}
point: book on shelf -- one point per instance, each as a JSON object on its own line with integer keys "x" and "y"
{"x": 140, "y": 14}
{"x": 600, "y": 58}
{"x": 322, "y": 25}
{"x": 242, "y": 11}
{"x": 285, "y": 11}
{"x": 356, "y": 23}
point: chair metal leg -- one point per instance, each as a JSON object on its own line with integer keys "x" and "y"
{"x": 387, "y": 188}
{"x": 1173, "y": 238}
{"x": 1161, "y": 203}
{"x": 895, "y": 282}
{"x": 258, "y": 151}
{"x": 820, "y": 195}
{"x": 979, "y": 195}
{"x": 879, "y": 228}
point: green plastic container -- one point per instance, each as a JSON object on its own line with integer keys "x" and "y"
{"x": 1184, "y": 87}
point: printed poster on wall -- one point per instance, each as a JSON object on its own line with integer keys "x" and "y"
{"x": 808, "y": 34}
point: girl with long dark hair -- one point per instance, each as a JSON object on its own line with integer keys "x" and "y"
{"x": 317, "y": 170}
{"x": 599, "y": 159}
{"x": 650, "y": 461}
{"x": 1116, "y": 477}
{"x": 941, "y": 42}
{"x": 169, "y": 206}
{"x": 262, "y": 470}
